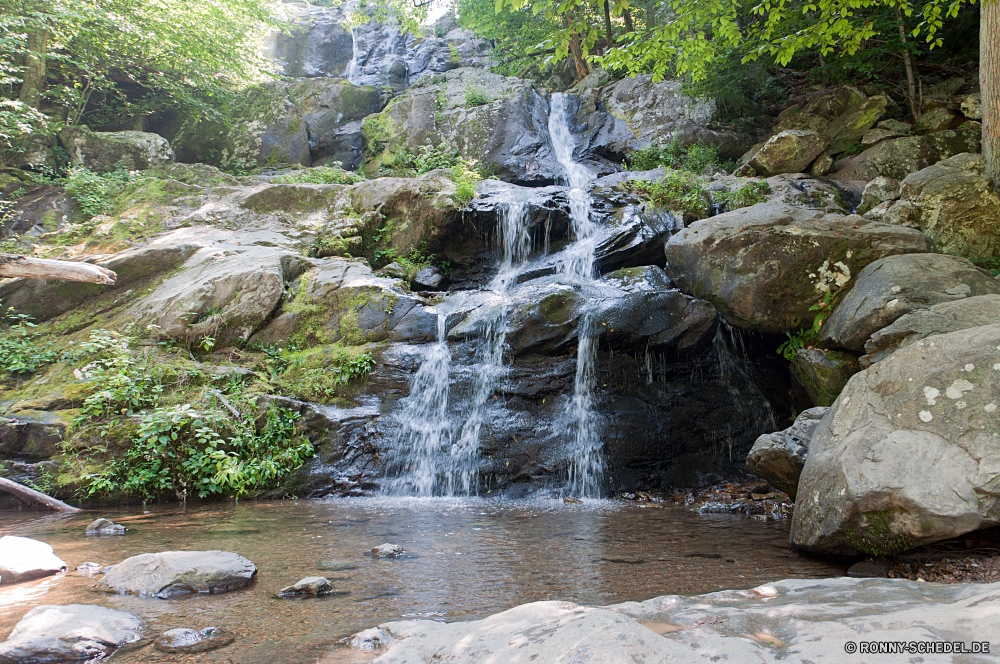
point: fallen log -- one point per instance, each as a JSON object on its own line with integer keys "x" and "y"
{"x": 29, "y": 495}
{"x": 43, "y": 268}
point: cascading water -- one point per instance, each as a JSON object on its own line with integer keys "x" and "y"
{"x": 441, "y": 460}
{"x": 587, "y": 464}
{"x": 353, "y": 73}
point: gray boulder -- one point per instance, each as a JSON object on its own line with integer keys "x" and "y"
{"x": 104, "y": 526}
{"x": 172, "y": 573}
{"x": 72, "y": 633}
{"x": 972, "y": 106}
{"x": 33, "y": 435}
{"x": 878, "y": 191}
{"x": 789, "y": 151}
{"x": 429, "y": 278}
{"x": 24, "y": 559}
{"x": 897, "y": 285}
{"x": 938, "y": 319}
{"x": 849, "y": 127}
{"x": 823, "y": 373}
{"x": 958, "y": 207}
{"x": 897, "y": 158}
{"x": 311, "y": 585}
{"x": 763, "y": 266}
{"x": 905, "y": 455}
{"x": 107, "y": 151}
{"x": 936, "y": 119}
{"x": 779, "y": 457}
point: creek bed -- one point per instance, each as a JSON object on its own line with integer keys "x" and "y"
{"x": 465, "y": 558}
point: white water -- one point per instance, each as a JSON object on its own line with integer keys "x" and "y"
{"x": 586, "y": 469}
{"x": 353, "y": 68}
{"x": 443, "y": 461}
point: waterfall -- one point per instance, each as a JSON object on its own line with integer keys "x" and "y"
{"x": 440, "y": 460}
{"x": 353, "y": 68}
{"x": 586, "y": 465}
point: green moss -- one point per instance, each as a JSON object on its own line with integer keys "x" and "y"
{"x": 874, "y": 535}
{"x": 558, "y": 308}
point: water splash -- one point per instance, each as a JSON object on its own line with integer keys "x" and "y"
{"x": 586, "y": 470}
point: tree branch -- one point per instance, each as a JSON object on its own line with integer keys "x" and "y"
{"x": 41, "y": 268}
{"x": 29, "y": 495}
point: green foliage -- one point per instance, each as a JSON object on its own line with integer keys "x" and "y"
{"x": 19, "y": 350}
{"x": 18, "y": 121}
{"x": 431, "y": 157}
{"x": 514, "y": 33}
{"x": 749, "y": 194}
{"x": 806, "y": 338}
{"x": 124, "y": 384}
{"x": 95, "y": 192}
{"x": 696, "y": 158}
{"x": 679, "y": 191}
{"x": 475, "y": 97}
{"x": 991, "y": 264}
{"x": 320, "y": 175}
{"x": 465, "y": 177}
{"x": 204, "y": 452}
{"x": 345, "y": 365}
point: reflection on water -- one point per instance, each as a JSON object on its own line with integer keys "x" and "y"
{"x": 466, "y": 558}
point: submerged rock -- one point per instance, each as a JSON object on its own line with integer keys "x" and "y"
{"x": 897, "y": 285}
{"x": 764, "y": 266}
{"x": 24, "y": 559}
{"x": 796, "y": 619}
{"x": 905, "y": 455}
{"x": 104, "y": 526}
{"x": 779, "y": 457}
{"x": 185, "y": 640}
{"x": 172, "y": 573}
{"x": 387, "y": 551}
{"x": 72, "y": 633}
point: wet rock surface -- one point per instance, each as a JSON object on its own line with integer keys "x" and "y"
{"x": 185, "y": 640}
{"x": 798, "y": 618}
{"x": 310, "y": 585}
{"x": 25, "y": 559}
{"x": 174, "y": 573}
{"x": 73, "y": 633}
{"x": 104, "y": 526}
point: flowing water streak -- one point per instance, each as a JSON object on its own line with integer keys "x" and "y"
{"x": 438, "y": 460}
{"x": 353, "y": 67}
{"x": 587, "y": 464}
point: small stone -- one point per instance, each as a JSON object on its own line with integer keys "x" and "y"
{"x": 104, "y": 526}
{"x": 394, "y": 270}
{"x": 869, "y": 569}
{"x": 387, "y": 551}
{"x": 184, "y": 640}
{"x": 429, "y": 278}
{"x": 311, "y": 585}
{"x": 822, "y": 166}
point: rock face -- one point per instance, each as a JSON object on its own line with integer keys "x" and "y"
{"x": 764, "y": 266}
{"x": 897, "y": 285}
{"x": 823, "y": 373}
{"x": 107, "y": 151}
{"x": 779, "y": 457}
{"x": 73, "y": 633}
{"x": 867, "y": 486}
{"x": 879, "y": 190}
{"x": 789, "y": 151}
{"x": 174, "y": 573}
{"x": 24, "y": 559}
{"x": 797, "y": 619}
{"x": 958, "y": 209}
{"x": 939, "y": 319}
{"x": 899, "y": 157}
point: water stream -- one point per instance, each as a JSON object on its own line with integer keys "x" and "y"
{"x": 353, "y": 68}
{"x": 586, "y": 469}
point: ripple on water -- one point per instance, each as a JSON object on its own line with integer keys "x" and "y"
{"x": 465, "y": 558}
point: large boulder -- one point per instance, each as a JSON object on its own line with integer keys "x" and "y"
{"x": 789, "y": 151}
{"x": 763, "y": 266}
{"x": 24, "y": 559}
{"x": 72, "y": 633}
{"x": 908, "y": 453}
{"x": 823, "y": 373}
{"x": 897, "y": 285}
{"x": 104, "y": 151}
{"x": 32, "y": 435}
{"x": 899, "y": 157}
{"x": 957, "y": 206}
{"x": 801, "y": 620}
{"x": 173, "y": 573}
{"x": 332, "y": 112}
{"x": 849, "y": 127}
{"x": 509, "y": 133}
{"x": 779, "y": 457}
{"x": 939, "y": 319}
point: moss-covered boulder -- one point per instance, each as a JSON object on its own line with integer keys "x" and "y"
{"x": 823, "y": 373}
{"x": 959, "y": 208}
{"x": 106, "y": 151}
{"x": 764, "y": 266}
{"x": 33, "y": 435}
{"x": 849, "y": 127}
{"x": 332, "y": 111}
{"x": 899, "y": 157}
{"x": 789, "y": 151}
{"x": 907, "y": 454}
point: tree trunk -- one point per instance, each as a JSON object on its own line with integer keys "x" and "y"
{"x": 989, "y": 85}
{"x": 607, "y": 23}
{"x": 29, "y": 495}
{"x": 34, "y": 61}
{"x": 629, "y": 27}
{"x": 40, "y": 268}
{"x": 650, "y": 15}
{"x": 916, "y": 104}
{"x": 574, "y": 47}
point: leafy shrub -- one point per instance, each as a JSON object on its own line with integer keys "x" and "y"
{"x": 19, "y": 351}
{"x": 679, "y": 191}
{"x": 749, "y": 194}
{"x": 321, "y": 383}
{"x": 465, "y": 176}
{"x": 432, "y": 157}
{"x": 696, "y": 158}
{"x": 124, "y": 385}
{"x": 320, "y": 175}
{"x": 475, "y": 97}
{"x": 94, "y": 192}
{"x": 19, "y": 121}
{"x": 805, "y": 338}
